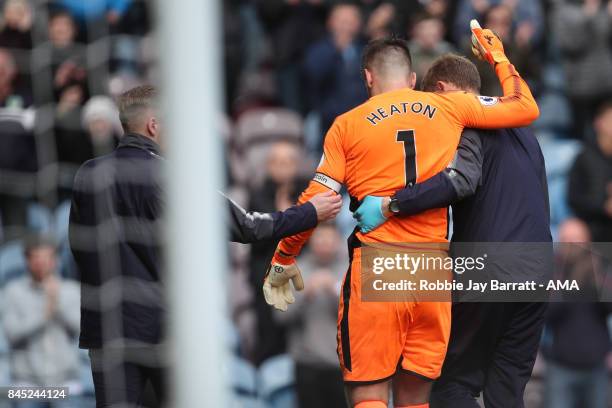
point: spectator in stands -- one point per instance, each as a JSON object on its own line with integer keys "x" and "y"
{"x": 312, "y": 322}
{"x": 101, "y": 121}
{"x": 590, "y": 179}
{"x": 41, "y": 321}
{"x": 235, "y": 47}
{"x": 11, "y": 94}
{"x": 392, "y": 17}
{"x": 62, "y": 39}
{"x": 527, "y": 17}
{"x": 62, "y": 31}
{"x": 292, "y": 26}
{"x": 16, "y": 27}
{"x": 279, "y": 191}
{"x": 427, "y": 43}
{"x": 72, "y": 148}
{"x": 519, "y": 46}
{"x": 68, "y": 119}
{"x": 18, "y": 158}
{"x": 379, "y": 23}
{"x": 82, "y": 134}
{"x": 576, "y": 370}
{"x": 95, "y": 17}
{"x": 332, "y": 66}
{"x": 70, "y": 73}
{"x": 583, "y": 30}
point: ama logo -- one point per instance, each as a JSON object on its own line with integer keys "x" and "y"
{"x": 488, "y": 100}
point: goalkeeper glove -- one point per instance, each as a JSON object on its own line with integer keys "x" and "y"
{"x": 486, "y": 45}
{"x": 276, "y": 288}
{"x": 370, "y": 215}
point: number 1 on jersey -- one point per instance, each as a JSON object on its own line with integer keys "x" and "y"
{"x": 406, "y": 137}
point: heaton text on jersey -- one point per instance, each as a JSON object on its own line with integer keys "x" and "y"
{"x": 402, "y": 108}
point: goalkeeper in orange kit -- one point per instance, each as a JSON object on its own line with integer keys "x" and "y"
{"x": 398, "y": 137}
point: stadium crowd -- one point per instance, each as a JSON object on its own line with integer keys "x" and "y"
{"x": 291, "y": 66}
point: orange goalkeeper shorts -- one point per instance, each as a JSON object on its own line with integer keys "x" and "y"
{"x": 376, "y": 339}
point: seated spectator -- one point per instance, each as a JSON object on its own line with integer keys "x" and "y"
{"x": 391, "y": 17}
{"x": 62, "y": 39}
{"x": 312, "y": 322}
{"x": 590, "y": 179}
{"x": 380, "y": 21}
{"x": 583, "y": 31}
{"x": 11, "y": 94}
{"x": 95, "y": 17}
{"x": 576, "y": 371}
{"x": 292, "y": 26}
{"x": 427, "y": 43}
{"x": 16, "y": 27}
{"x": 519, "y": 47}
{"x": 527, "y": 17}
{"x": 18, "y": 158}
{"x": 69, "y": 61}
{"x": 101, "y": 121}
{"x": 70, "y": 74}
{"x": 41, "y": 321}
{"x": 332, "y": 66}
{"x": 279, "y": 191}
{"x": 82, "y": 134}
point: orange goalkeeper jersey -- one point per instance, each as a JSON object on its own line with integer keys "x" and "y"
{"x": 406, "y": 136}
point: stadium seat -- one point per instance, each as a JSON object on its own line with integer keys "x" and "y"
{"x": 243, "y": 380}
{"x": 12, "y": 261}
{"x": 5, "y": 375}
{"x": 66, "y": 264}
{"x": 125, "y": 50}
{"x": 86, "y": 379}
{"x": 60, "y": 227}
{"x": 554, "y": 78}
{"x": 243, "y": 376}
{"x": 276, "y": 382}
{"x": 559, "y": 155}
{"x": 257, "y": 130}
{"x": 39, "y": 218}
{"x": 313, "y": 134}
{"x": 60, "y": 221}
{"x": 555, "y": 113}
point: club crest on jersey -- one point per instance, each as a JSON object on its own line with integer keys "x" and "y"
{"x": 488, "y": 100}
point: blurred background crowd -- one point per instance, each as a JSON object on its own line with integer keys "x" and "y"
{"x": 291, "y": 66}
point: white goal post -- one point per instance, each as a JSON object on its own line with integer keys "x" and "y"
{"x": 189, "y": 41}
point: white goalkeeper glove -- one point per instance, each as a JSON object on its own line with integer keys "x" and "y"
{"x": 276, "y": 288}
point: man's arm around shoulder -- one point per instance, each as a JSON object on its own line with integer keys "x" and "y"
{"x": 458, "y": 181}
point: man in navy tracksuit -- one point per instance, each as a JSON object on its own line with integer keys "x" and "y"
{"x": 497, "y": 187}
{"x": 115, "y": 237}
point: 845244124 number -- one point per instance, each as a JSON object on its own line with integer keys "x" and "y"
{"x": 33, "y": 393}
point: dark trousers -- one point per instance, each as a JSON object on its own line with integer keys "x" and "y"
{"x": 492, "y": 349}
{"x": 131, "y": 379}
{"x": 319, "y": 387}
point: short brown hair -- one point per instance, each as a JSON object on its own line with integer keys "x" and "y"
{"x": 603, "y": 107}
{"x": 454, "y": 69}
{"x": 377, "y": 52}
{"x": 133, "y": 103}
{"x": 36, "y": 241}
